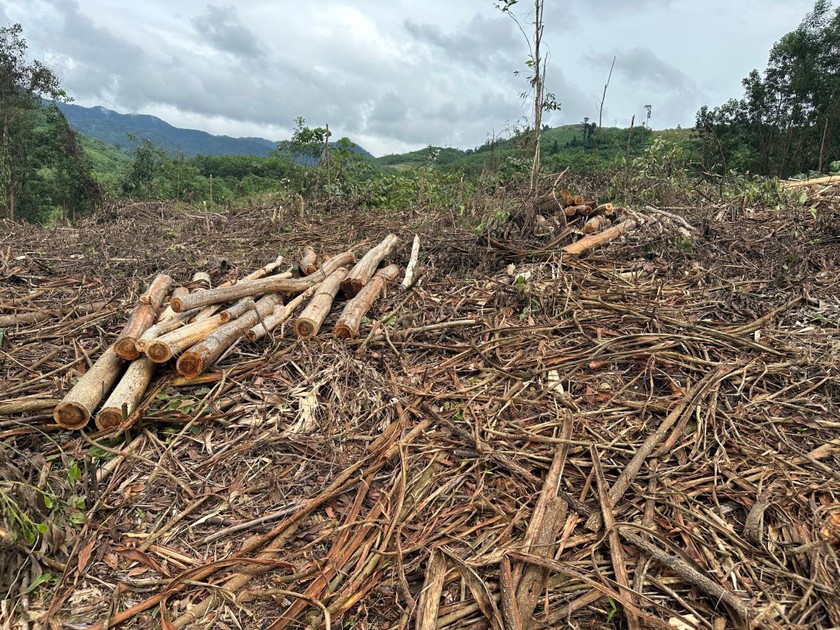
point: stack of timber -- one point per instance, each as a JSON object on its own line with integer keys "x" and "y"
{"x": 200, "y": 324}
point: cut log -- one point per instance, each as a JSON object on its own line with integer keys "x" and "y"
{"x": 365, "y": 268}
{"x": 194, "y": 361}
{"x": 172, "y": 344}
{"x": 595, "y": 240}
{"x": 142, "y": 317}
{"x": 578, "y": 209}
{"x": 408, "y": 280}
{"x": 595, "y": 224}
{"x": 607, "y": 209}
{"x": 350, "y": 320}
{"x": 279, "y": 315}
{"x": 309, "y": 322}
{"x": 308, "y": 261}
{"x": 262, "y": 286}
{"x": 76, "y": 408}
{"x": 127, "y": 394}
{"x": 254, "y": 275}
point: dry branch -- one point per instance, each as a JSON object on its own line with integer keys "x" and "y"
{"x": 595, "y": 240}
{"x": 365, "y": 268}
{"x": 309, "y": 322}
{"x": 142, "y": 317}
{"x": 540, "y": 539}
{"x": 410, "y": 268}
{"x": 202, "y": 355}
{"x": 76, "y": 408}
{"x": 34, "y": 317}
{"x": 817, "y": 181}
{"x": 265, "y": 285}
{"x": 350, "y": 320}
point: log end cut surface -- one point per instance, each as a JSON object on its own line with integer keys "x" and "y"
{"x": 190, "y": 365}
{"x": 108, "y": 418}
{"x": 343, "y": 331}
{"x": 158, "y": 351}
{"x": 70, "y": 415}
{"x": 126, "y": 348}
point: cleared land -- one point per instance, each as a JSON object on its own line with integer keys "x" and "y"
{"x": 454, "y": 466}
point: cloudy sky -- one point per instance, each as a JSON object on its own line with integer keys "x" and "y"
{"x": 396, "y": 75}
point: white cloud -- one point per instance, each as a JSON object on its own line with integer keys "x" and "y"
{"x": 396, "y": 75}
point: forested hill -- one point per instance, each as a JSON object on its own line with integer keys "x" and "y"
{"x": 117, "y": 129}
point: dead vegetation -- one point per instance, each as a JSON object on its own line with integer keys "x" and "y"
{"x": 644, "y": 435}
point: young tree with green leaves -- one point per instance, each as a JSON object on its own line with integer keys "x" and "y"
{"x": 22, "y": 84}
{"x": 788, "y": 120}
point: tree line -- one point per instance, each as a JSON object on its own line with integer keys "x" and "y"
{"x": 786, "y": 123}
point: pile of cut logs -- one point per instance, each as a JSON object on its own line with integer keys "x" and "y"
{"x": 201, "y": 323}
{"x": 599, "y": 222}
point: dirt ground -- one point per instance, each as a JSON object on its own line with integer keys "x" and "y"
{"x": 644, "y": 436}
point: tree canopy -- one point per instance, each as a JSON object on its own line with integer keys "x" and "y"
{"x": 788, "y": 120}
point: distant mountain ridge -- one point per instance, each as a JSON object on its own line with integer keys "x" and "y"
{"x": 115, "y": 129}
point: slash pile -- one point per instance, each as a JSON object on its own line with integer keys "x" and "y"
{"x": 646, "y": 435}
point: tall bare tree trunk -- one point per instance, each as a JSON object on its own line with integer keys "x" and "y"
{"x": 538, "y": 94}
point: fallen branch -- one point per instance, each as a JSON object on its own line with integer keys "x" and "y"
{"x": 34, "y": 317}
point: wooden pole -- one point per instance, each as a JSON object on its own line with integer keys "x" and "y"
{"x": 76, "y": 408}
{"x": 308, "y": 261}
{"x": 202, "y": 355}
{"x": 595, "y": 240}
{"x": 309, "y": 322}
{"x": 350, "y": 320}
{"x": 142, "y": 317}
{"x": 365, "y": 268}
{"x": 265, "y": 285}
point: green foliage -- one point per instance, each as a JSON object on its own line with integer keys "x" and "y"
{"x": 788, "y": 120}
{"x": 43, "y": 171}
